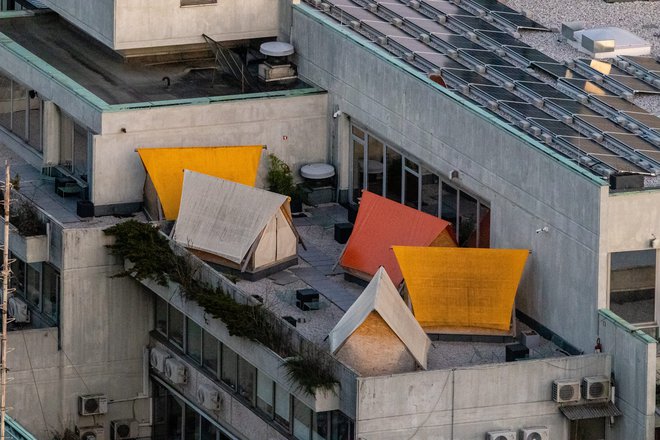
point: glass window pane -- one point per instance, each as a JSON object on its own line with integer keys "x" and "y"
{"x": 34, "y": 286}
{"x": 208, "y": 431}
{"x": 375, "y": 150}
{"x": 5, "y": 102}
{"x": 192, "y": 424}
{"x": 282, "y": 406}
{"x": 66, "y": 142}
{"x": 342, "y": 427}
{"x": 414, "y": 166}
{"x": 467, "y": 235}
{"x": 265, "y": 393}
{"x": 174, "y": 417}
{"x": 175, "y": 326}
{"x": 484, "y": 226}
{"x": 18, "y": 276}
{"x": 449, "y": 204}
{"x": 393, "y": 166}
{"x": 34, "y": 127}
{"x": 412, "y": 190}
{"x": 80, "y": 151}
{"x": 193, "y": 340}
{"x": 302, "y": 420}
{"x": 229, "y": 366}
{"x": 358, "y": 167}
{"x": 210, "y": 353}
{"x": 19, "y": 113}
{"x": 632, "y": 285}
{"x": 50, "y": 290}
{"x": 357, "y": 132}
{"x": 160, "y": 411}
{"x": 321, "y": 426}
{"x": 246, "y": 380}
{"x": 161, "y": 315}
{"x": 430, "y": 189}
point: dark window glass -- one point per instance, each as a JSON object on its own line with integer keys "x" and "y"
{"x": 229, "y": 366}
{"x": 34, "y": 286}
{"x": 412, "y": 190}
{"x": 210, "y": 352}
{"x": 208, "y": 430}
{"x": 342, "y": 427}
{"x": 161, "y": 315}
{"x": 375, "y": 150}
{"x": 18, "y": 276}
{"x": 484, "y": 226}
{"x": 393, "y": 167}
{"x": 322, "y": 426}
{"x": 247, "y": 377}
{"x": 430, "y": 189}
{"x": 160, "y": 412}
{"x": 192, "y": 424}
{"x": 51, "y": 288}
{"x": 449, "y": 204}
{"x": 175, "y": 326}
{"x": 175, "y": 409}
{"x": 193, "y": 340}
{"x": 467, "y": 235}
{"x": 358, "y": 167}
{"x": 282, "y": 406}
{"x": 265, "y": 393}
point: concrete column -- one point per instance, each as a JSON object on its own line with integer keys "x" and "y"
{"x": 51, "y": 128}
{"x": 656, "y": 300}
{"x": 342, "y": 149}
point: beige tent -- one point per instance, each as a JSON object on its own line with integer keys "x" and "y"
{"x": 379, "y": 334}
{"x": 234, "y": 225}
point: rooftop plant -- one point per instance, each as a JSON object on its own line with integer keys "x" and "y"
{"x": 279, "y": 177}
{"x": 25, "y": 217}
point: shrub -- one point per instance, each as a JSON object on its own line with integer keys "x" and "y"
{"x": 280, "y": 177}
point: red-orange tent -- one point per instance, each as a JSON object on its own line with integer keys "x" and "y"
{"x": 382, "y": 223}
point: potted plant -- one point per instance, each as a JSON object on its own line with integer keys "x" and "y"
{"x": 280, "y": 180}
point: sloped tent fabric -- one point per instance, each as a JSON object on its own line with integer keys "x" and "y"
{"x": 382, "y": 223}
{"x": 165, "y": 167}
{"x": 462, "y": 288}
{"x": 222, "y": 217}
{"x": 382, "y": 296}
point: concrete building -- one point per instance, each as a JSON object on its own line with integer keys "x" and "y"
{"x": 424, "y": 103}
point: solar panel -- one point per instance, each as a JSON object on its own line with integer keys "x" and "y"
{"x": 555, "y": 127}
{"x": 586, "y": 145}
{"x": 409, "y": 44}
{"x": 585, "y": 86}
{"x": 455, "y": 41}
{"x": 482, "y": 58}
{"x": 618, "y": 163}
{"x": 527, "y": 55}
{"x": 499, "y": 38}
{"x": 569, "y": 107}
{"x": 633, "y": 84}
{"x": 632, "y": 141}
{"x": 464, "y": 77}
{"x": 399, "y": 10}
{"x": 644, "y": 63}
{"x": 382, "y": 28}
{"x": 616, "y": 78}
{"x": 540, "y": 90}
{"x": 616, "y": 104}
{"x": 599, "y": 124}
{"x": 517, "y": 21}
{"x": 470, "y": 23}
{"x": 511, "y": 74}
{"x": 340, "y": 2}
{"x": 347, "y": 13}
{"x": 646, "y": 120}
{"x": 438, "y": 60}
{"x": 601, "y": 67}
{"x": 443, "y": 7}
{"x": 427, "y": 26}
{"x": 522, "y": 110}
{"x": 494, "y": 93}
{"x": 489, "y": 6}
{"x": 556, "y": 70}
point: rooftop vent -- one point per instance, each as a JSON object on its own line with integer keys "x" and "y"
{"x": 277, "y": 66}
{"x": 608, "y": 42}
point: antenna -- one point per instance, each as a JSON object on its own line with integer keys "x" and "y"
{"x": 5, "y": 294}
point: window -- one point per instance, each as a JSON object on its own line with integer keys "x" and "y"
{"x": 412, "y": 186}
{"x": 342, "y": 427}
{"x": 467, "y": 226}
{"x": 358, "y": 165}
{"x": 193, "y": 340}
{"x": 161, "y": 315}
{"x": 18, "y": 278}
{"x": 192, "y": 424}
{"x": 632, "y": 286}
{"x": 393, "y": 170}
{"x": 430, "y": 190}
{"x": 39, "y": 285}
{"x": 51, "y": 289}
{"x": 22, "y": 111}
{"x": 302, "y": 420}
{"x": 246, "y": 380}
{"x": 229, "y": 366}
{"x": 210, "y": 352}
{"x": 376, "y": 151}
{"x": 265, "y": 393}
{"x": 282, "y": 406}
{"x": 175, "y": 326}
{"x": 33, "y": 284}
{"x": 74, "y": 139}
{"x": 321, "y": 426}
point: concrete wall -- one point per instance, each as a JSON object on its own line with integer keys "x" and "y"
{"x": 526, "y": 186}
{"x": 96, "y": 17}
{"x": 104, "y": 324}
{"x": 293, "y": 128}
{"x": 634, "y": 365}
{"x": 443, "y": 404}
{"x": 154, "y": 23}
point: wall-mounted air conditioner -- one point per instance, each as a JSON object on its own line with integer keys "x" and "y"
{"x": 501, "y": 435}
{"x": 18, "y": 309}
{"x": 123, "y": 429}
{"x": 92, "y": 404}
{"x": 90, "y": 432}
{"x": 596, "y": 387}
{"x": 157, "y": 358}
{"x": 209, "y": 397}
{"x": 175, "y": 371}
{"x": 566, "y": 391}
{"x": 535, "y": 433}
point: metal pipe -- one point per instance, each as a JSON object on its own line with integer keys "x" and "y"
{"x": 5, "y": 294}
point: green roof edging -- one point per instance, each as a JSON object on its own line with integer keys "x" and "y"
{"x": 361, "y": 41}
{"x": 16, "y": 431}
{"x": 623, "y": 324}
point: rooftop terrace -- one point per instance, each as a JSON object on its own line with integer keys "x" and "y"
{"x": 106, "y": 75}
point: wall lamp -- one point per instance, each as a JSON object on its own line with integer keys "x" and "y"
{"x": 654, "y": 242}
{"x": 543, "y": 229}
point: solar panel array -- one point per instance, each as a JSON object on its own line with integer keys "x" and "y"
{"x": 581, "y": 110}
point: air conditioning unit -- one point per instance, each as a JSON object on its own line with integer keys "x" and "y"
{"x": 535, "y": 433}
{"x": 18, "y": 309}
{"x": 566, "y": 391}
{"x": 175, "y": 371}
{"x": 596, "y": 388}
{"x": 123, "y": 429}
{"x": 157, "y": 358}
{"x": 209, "y": 397}
{"x": 501, "y": 435}
{"x": 92, "y": 404}
{"x": 90, "y": 432}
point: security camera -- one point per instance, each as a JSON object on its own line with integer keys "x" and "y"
{"x": 337, "y": 114}
{"x": 543, "y": 229}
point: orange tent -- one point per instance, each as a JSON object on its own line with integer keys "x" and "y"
{"x": 382, "y": 223}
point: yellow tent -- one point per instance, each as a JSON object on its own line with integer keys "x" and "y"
{"x": 165, "y": 168}
{"x": 462, "y": 290}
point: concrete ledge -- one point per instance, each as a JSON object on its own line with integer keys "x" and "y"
{"x": 32, "y": 249}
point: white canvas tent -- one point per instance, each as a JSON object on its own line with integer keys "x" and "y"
{"x": 379, "y": 333}
{"x": 234, "y": 225}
